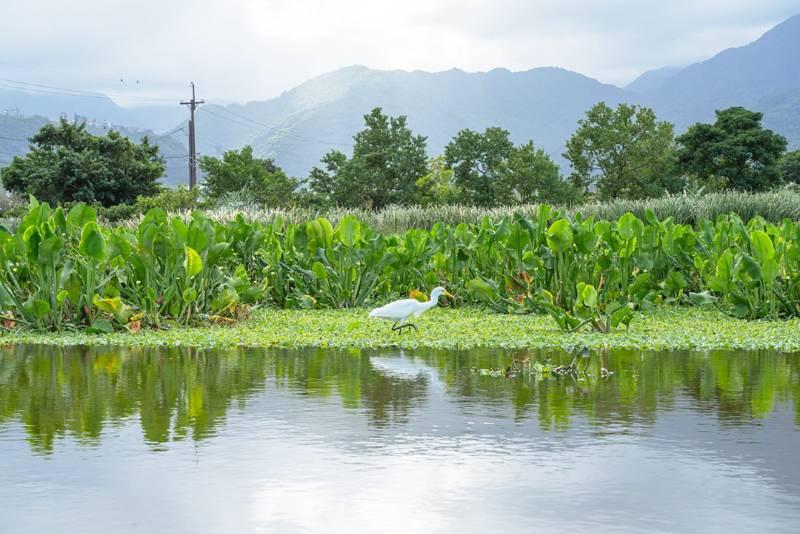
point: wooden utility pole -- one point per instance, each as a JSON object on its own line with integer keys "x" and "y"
{"x": 193, "y": 103}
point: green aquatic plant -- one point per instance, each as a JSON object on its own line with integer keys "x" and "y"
{"x": 67, "y": 271}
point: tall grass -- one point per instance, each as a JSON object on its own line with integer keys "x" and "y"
{"x": 773, "y": 206}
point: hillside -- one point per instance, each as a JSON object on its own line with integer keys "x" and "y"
{"x": 544, "y": 104}
{"x": 299, "y": 126}
{"x": 762, "y": 75}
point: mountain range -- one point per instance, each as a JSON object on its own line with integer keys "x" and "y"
{"x": 542, "y": 104}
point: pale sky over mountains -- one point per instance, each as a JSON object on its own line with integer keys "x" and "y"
{"x": 239, "y": 50}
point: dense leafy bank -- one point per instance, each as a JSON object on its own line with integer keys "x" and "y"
{"x": 664, "y": 328}
{"x": 65, "y": 271}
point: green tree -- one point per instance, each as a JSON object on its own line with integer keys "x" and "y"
{"x": 789, "y": 167}
{"x": 626, "y": 152}
{"x": 387, "y": 160}
{"x": 476, "y": 159}
{"x": 68, "y": 164}
{"x": 240, "y": 171}
{"x": 736, "y": 148}
{"x": 529, "y": 176}
{"x": 438, "y": 186}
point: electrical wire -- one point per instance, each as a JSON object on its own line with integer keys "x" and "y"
{"x": 273, "y": 129}
{"x": 30, "y": 86}
{"x": 12, "y": 138}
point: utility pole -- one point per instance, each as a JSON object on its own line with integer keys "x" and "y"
{"x": 193, "y": 103}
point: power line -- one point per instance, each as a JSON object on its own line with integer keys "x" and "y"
{"x": 273, "y": 129}
{"x": 30, "y": 86}
{"x": 291, "y": 134}
{"x": 12, "y": 138}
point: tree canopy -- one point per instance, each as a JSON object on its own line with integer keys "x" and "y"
{"x": 241, "y": 171}
{"x": 626, "y": 152}
{"x": 529, "y": 176}
{"x": 438, "y": 185}
{"x": 736, "y": 148}
{"x": 789, "y": 167}
{"x": 388, "y": 159}
{"x": 476, "y": 159}
{"x": 68, "y": 164}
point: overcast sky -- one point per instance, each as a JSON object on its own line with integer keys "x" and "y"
{"x": 238, "y": 50}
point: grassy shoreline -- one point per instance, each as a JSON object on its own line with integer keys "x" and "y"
{"x": 665, "y": 328}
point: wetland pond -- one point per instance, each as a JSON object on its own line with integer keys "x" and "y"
{"x": 107, "y": 439}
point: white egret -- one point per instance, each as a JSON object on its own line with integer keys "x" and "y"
{"x": 400, "y": 310}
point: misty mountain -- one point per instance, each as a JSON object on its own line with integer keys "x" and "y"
{"x": 544, "y": 104}
{"x": 652, "y": 80}
{"x": 300, "y": 126}
{"x": 762, "y": 75}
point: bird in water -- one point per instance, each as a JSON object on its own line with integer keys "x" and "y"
{"x": 400, "y": 310}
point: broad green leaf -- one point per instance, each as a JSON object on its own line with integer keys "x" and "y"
{"x": 588, "y": 295}
{"x": 51, "y": 251}
{"x": 108, "y": 305}
{"x": 320, "y": 232}
{"x": 319, "y": 270}
{"x": 349, "y": 231}
{"x": 721, "y": 281}
{"x": 79, "y": 215}
{"x": 39, "y": 308}
{"x": 702, "y": 299}
{"x": 101, "y": 326}
{"x": 61, "y": 296}
{"x": 92, "y": 243}
{"x": 559, "y": 236}
{"x": 224, "y": 301}
{"x": 481, "y": 290}
{"x": 676, "y": 281}
{"x": 189, "y": 295}
{"x": 518, "y": 238}
{"x": 629, "y": 226}
{"x": 192, "y": 262}
{"x": 769, "y": 271}
{"x": 762, "y": 247}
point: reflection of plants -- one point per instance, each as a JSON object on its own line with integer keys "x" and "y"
{"x": 184, "y": 393}
{"x": 176, "y": 393}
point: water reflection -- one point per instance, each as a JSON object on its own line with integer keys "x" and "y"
{"x": 178, "y": 393}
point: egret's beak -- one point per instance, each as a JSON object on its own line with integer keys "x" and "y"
{"x": 449, "y": 294}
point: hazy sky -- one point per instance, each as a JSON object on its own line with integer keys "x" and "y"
{"x": 254, "y": 49}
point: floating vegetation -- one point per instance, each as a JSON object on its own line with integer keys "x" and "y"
{"x": 661, "y": 329}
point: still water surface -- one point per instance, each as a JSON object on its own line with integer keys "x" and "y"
{"x": 117, "y": 440}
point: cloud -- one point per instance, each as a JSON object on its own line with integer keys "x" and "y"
{"x": 253, "y": 49}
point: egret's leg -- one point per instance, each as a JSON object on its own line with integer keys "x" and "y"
{"x": 410, "y": 325}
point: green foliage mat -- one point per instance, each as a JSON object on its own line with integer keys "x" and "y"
{"x": 664, "y": 328}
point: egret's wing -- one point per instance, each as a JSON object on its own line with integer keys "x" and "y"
{"x": 397, "y": 310}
